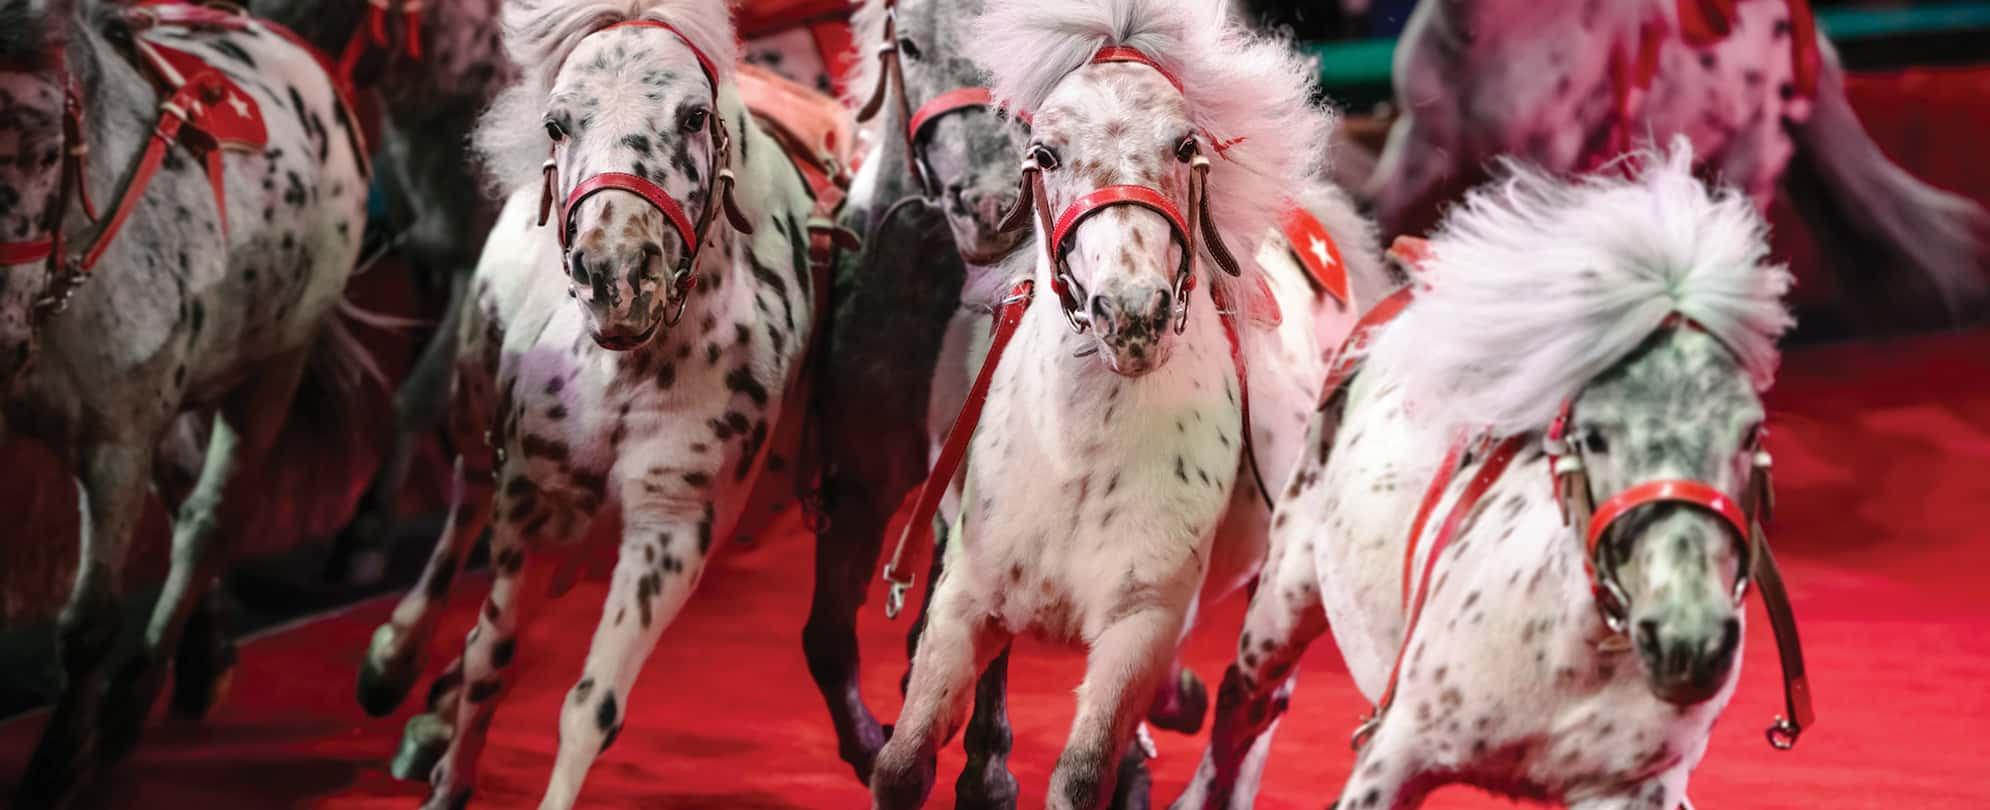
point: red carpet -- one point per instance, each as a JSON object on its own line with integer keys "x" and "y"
{"x": 1884, "y": 484}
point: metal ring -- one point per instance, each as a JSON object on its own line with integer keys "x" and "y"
{"x": 1782, "y": 734}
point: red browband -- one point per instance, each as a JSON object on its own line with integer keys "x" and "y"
{"x": 1121, "y": 53}
{"x": 690, "y": 234}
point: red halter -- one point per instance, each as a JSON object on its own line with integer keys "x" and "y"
{"x": 891, "y": 79}
{"x": 1571, "y": 488}
{"x": 373, "y": 33}
{"x": 690, "y": 235}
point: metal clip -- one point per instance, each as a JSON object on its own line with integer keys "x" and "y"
{"x": 894, "y": 597}
{"x": 1783, "y": 734}
{"x": 1366, "y": 731}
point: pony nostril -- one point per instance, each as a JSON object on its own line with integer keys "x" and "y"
{"x": 1103, "y": 314}
{"x": 1159, "y": 308}
{"x": 577, "y": 264}
{"x": 1721, "y": 652}
{"x": 1646, "y": 637}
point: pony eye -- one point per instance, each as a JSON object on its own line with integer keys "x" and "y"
{"x": 1595, "y": 443}
{"x": 694, "y": 120}
{"x": 909, "y": 48}
{"x": 1045, "y": 157}
{"x": 1187, "y": 149}
{"x": 554, "y": 131}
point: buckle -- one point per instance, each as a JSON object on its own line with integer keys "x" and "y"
{"x": 894, "y": 596}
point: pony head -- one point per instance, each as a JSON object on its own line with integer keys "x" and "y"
{"x": 32, "y": 146}
{"x": 1648, "y": 306}
{"x": 607, "y": 98}
{"x": 968, "y": 154}
{"x": 1200, "y": 89}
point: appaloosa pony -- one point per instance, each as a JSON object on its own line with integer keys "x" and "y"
{"x": 433, "y": 66}
{"x": 635, "y": 326}
{"x": 1117, "y": 387}
{"x": 1537, "y": 505}
{"x": 929, "y": 198}
{"x": 175, "y": 238}
{"x": 1571, "y": 84}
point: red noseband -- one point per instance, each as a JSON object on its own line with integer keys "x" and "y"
{"x": 1666, "y": 490}
{"x": 639, "y": 186}
{"x": 1084, "y": 207}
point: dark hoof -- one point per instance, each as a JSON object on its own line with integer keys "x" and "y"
{"x": 1182, "y": 708}
{"x": 204, "y": 668}
{"x": 422, "y": 745}
{"x": 993, "y": 788}
{"x": 382, "y": 687}
{"x": 1132, "y": 792}
{"x": 52, "y": 785}
{"x": 127, "y": 706}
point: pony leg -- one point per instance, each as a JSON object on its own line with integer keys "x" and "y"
{"x": 393, "y": 658}
{"x": 1128, "y": 660}
{"x": 958, "y": 643}
{"x": 488, "y": 651}
{"x": 111, "y": 485}
{"x": 245, "y": 428}
{"x": 985, "y": 783}
{"x": 1666, "y": 791}
{"x": 1384, "y": 776}
{"x": 205, "y": 662}
{"x": 359, "y": 552}
{"x": 426, "y": 736}
{"x": 663, "y": 554}
{"x": 1284, "y": 618}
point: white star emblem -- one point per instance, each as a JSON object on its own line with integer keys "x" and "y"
{"x": 1319, "y": 250}
{"x": 241, "y": 106}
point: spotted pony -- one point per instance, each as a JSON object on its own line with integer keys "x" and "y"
{"x": 1458, "y": 585}
{"x": 1571, "y": 84}
{"x": 124, "y": 305}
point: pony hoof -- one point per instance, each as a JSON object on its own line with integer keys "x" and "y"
{"x": 1182, "y": 712}
{"x": 127, "y": 705}
{"x": 382, "y": 687}
{"x": 202, "y": 678}
{"x": 422, "y": 745}
{"x": 1135, "y": 786}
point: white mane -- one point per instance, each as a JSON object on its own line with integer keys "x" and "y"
{"x": 1537, "y": 284}
{"x": 1240, "y": 86}
{"x": 538, "y": 36}
{"x": 866, "y": 34}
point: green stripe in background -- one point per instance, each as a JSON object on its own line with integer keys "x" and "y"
{"x": 1366, "y": 62}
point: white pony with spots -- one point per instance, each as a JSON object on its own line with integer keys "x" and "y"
{"x": 1111, "y": 445}
{"x": 1619, "y": 332}
{"x": 1571, "y": 84}
{"x": 636, "y": 322}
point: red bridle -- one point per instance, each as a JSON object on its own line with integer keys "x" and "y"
{"x": 891, "y": 80}
{"x": 1058, "y": 230}
{"x": 1572, "y": 493}
{"x": 690, "y": 235}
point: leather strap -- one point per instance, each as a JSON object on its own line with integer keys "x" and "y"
{"x": 917, "y": 536}
{"x": 1092, "y": 203}
{"x": 1121, "y": 53}
{"x": 1345, "y": 363}
{"x": 1783, "y": 732}
{"x": 639, "y": 186}
{"x": 1490, "y": 469}
{"x": 1666, "y": 490}
{"x": 32, "y": 250}
{"x": 944, "y": 104}
{"x": 1233, "y": 332}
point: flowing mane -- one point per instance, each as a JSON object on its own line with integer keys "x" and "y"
{"x": 1248, "y": 90}
{"x": 866, "y": 32}
{"x": 1537, "y": 284}
{"x": 538, "y": 36}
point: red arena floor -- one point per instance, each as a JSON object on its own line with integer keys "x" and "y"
{"x": 1883, "y": 453}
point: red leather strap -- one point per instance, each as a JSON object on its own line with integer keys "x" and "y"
{"x": 1489, "y": 472}
{"x": 955, "y": 100}
{"x": 1344, "y": 366}
{"x": 1804, "y": 54}
{"x": 1109, "y": 196}
{"x": 1666, "y": 490}
{"x": 32, "y": 250}
{"x": 918, "y": 533}
{"x": 704, "y": 62}
{"x": 164, "y": 133}
{"x": 1121, "y": 53}
{"x": 639, "y": 186}
{"x": 1232, "y": 331}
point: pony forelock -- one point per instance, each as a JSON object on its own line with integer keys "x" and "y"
{"x": 540, "y": 34}
{"x": 1537, "y": 284}
{"x": 1250, "y": 93}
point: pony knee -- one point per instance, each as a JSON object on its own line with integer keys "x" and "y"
{"x": 592, "y": 712}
